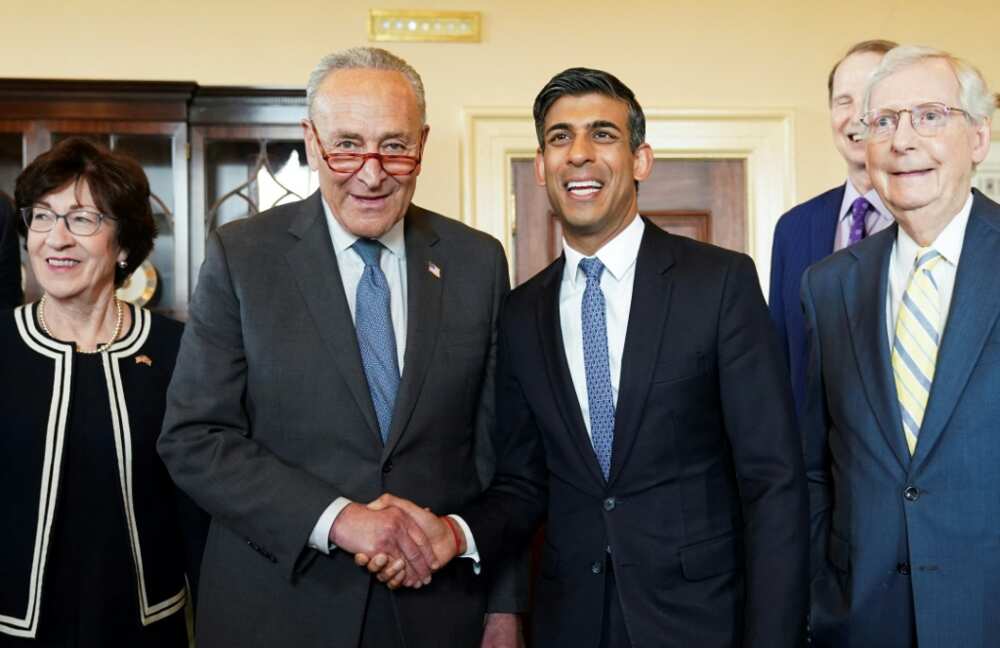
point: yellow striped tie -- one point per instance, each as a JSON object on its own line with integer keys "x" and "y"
{"x": 914, "y": 351}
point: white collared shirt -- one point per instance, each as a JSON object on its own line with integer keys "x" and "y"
{"x": 902, "y": 264}
{"x": 393, "y": 264}
{"x": 878, "y": 218}
{"x": 618, "y": 256}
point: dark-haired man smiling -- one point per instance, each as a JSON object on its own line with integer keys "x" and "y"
{"x": 643, "y": 411}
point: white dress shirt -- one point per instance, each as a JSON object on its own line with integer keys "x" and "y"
{"x": 878, "y": 217}
{"x": 618, "y": 256}
{"x": 393, "y": 264}
{"x": 902, "y": 264}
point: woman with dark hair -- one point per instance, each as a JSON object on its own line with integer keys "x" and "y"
{"x": 99, "y": 547}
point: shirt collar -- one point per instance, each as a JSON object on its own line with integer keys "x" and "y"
{"x": 617, "y": 255}
{"x": 948, "y": 243}
{"x": 393, "y": 240}
{"x": 851, "y": 194}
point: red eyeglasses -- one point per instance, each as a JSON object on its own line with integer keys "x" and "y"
{"x": 348, "y": 163}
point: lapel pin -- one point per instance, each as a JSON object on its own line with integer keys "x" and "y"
{"x": 144, "y": 359}
{"x": 433, "y": 269}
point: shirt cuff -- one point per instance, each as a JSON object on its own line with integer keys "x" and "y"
{"x": 319, "y": 539}
{"x": 471, "y": 551}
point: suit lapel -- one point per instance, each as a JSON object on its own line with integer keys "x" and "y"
{"x": 865, "y": 285}
{"x": 560, "y": 379}
{"x": 314, "y": 267}
{"x": 651, "y": 293}
{"x": 975, "y": 305}
{"x": 423, "y": 316}
{"x": 824, "y": 225}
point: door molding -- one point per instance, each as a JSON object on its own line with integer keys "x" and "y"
{"x": 494, "y": 136}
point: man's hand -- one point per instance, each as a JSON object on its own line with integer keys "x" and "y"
{"x": 502, "y": 630}
{"x": 439, "y": 533}
{"x": 389, "y": 534}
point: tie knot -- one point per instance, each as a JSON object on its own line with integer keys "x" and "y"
{"x": 860, "y": 207}
{"x": 369, "y": 250}
{"x": 927, "y": 258}
{"x": 592, "y": 267}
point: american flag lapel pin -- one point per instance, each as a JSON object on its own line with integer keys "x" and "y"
{"x": 433, "y": 269}
{"x": 144, "y": 359}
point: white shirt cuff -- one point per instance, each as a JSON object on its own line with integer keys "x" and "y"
{"x": 319, "y": 539}
{"x": 471, "y": 551}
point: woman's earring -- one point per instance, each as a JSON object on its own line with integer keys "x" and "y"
{"x": 122, "y": 264}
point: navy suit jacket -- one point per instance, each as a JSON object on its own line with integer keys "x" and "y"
{"x": 704, "y": 510}
{"x": 10, "y": 260}
{"x": 906, "y": 550}
{"x": 804, "y": 235}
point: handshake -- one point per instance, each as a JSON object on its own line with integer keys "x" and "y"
{"x": 399, "y": 542}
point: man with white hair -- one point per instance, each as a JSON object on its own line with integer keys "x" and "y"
{"x": 338, "y": 348}
{"x": 901, "y": 416}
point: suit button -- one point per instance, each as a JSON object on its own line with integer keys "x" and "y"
{"x": 387, "y": 468}
{"x": 911, "y": 493}
{"x": 596, "y": 567}
{"x": 609, "y": 504}
{"x": 903, "y": 568}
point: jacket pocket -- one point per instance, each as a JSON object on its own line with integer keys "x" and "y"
{"x": 712, "y": 557}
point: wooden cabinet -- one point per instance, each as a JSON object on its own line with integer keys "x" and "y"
{"x": 212, "y": 155}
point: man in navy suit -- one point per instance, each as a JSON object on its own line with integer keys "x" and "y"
{"x": 831, "y": 220}
{"x": 643, "y": 412}
{"x": 901, "y": 416}
{"x": 10, "y": 265}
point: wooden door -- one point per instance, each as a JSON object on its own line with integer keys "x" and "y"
{"x": 702, "y": 199}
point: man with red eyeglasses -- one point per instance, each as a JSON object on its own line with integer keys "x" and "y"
{"x": 339, "y": 348}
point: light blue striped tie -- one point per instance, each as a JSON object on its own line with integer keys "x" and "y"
{"x": 595, "y": 361}
{"x": 914, "y": 350}
{"x": 376, "y": 339}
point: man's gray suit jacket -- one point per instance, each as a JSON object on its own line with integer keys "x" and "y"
{"x": 269, "y": 420}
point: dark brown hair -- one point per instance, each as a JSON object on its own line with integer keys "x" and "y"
{"x": 875, "y": 46}
{"x": 117, "y": 182}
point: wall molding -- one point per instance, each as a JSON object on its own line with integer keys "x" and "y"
{"x": 494, "y": 136}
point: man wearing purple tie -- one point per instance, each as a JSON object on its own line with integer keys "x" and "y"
{"x": 832, "y": 220}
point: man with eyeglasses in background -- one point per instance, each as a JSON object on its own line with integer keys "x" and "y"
{"x": 901, "y": 417}
{"x": 338, "y": 348}
{"x": 832, "y": 220}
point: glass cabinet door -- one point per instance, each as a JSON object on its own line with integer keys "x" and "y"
{"x": 246, "y": 170}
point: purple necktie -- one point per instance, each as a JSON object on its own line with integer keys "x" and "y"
{"x": 859, "y": 209}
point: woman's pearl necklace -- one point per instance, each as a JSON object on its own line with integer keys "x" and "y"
{"x": 104, "y": 347}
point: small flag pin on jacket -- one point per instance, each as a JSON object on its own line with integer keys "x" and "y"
{"x": 144, "y": 359}
{"x": 433, "y": 269}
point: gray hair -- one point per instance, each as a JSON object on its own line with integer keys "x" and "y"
{"x": 365, "y": 58}
{"x": 975, "y": 97}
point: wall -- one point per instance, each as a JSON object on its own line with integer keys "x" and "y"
{"x": 674, "y": 54}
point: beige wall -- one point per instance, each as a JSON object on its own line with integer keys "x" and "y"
{"x": 674, "y": 54}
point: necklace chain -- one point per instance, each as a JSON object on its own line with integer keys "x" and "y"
{"x": 119, "y": 312}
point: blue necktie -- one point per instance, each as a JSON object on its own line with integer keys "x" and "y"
{"x": 915, "y": 349}
{"x": 373, "y": 324}
{"x": 595, "y": 362}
